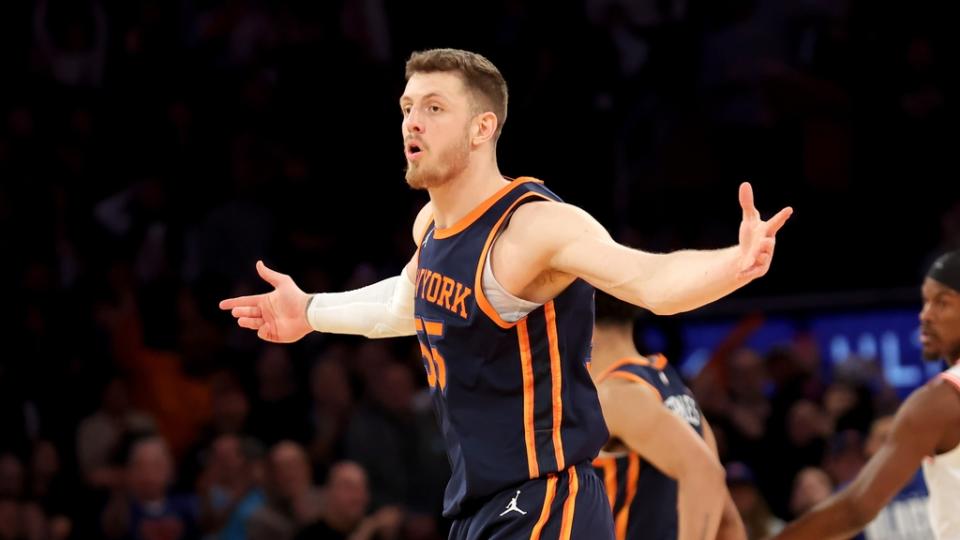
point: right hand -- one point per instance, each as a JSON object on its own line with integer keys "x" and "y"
{"x": 279, "y": 316}
{"x": 757, "y": 237}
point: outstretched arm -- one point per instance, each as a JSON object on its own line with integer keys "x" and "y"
{"x": 286, "y": 314}
{"x": 918, "y": 428}
{"x": 663, "y": 283}
{"x": 635, "y": 414}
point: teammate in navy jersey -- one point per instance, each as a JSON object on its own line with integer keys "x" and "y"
{"x": 499, "y": 293}
{"x": 655, "y": 466}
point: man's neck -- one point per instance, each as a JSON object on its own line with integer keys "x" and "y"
{"x": 611, "y": 343}
{"x": 458, "y": 197}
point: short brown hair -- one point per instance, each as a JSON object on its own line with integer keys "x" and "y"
{"x": 479, "y": 75}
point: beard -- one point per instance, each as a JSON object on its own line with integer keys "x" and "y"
{"x": 445, "y": 166}
{"x": 936, "y": 349}
{"x": 930, "y": 354}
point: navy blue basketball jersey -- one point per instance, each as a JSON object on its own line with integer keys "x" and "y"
{"x": 514, "y": 400}
{"x": 643, "y": 499}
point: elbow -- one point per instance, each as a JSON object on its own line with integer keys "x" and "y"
{"x": 663, "y": 305}
{"x": 657, "y": 306}
{"x": 652, "y": 299}
{"x": 665, "y": 310}
{"x": 397, "y": 327}
{"x": 717, "y": 478}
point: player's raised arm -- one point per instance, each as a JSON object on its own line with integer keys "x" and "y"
{"x": 668, "y": 283}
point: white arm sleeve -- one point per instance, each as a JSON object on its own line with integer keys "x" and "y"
{"x": 384, "y": 309}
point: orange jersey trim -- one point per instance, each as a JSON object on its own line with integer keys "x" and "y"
{"x": 637, "y": 361}
{"x": 570, "y": 505}
{"x": 623, "y": 516}
{"x": 609, "y": 466}
{"x": 475, "y": 214}
{"x": 659, "y": 362}
{"x": 526, "y": 367}
{"x": 637, "y": 379}
{"x": 551, "y": 492}
{"x": 556, "y": 382}
{"x": 481, "y": 298}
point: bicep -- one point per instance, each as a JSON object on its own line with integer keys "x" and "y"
{"x": 580, "y": 244}
{"x": 582, "y": 247}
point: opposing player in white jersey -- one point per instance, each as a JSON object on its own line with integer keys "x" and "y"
{"x": 926, "y": 431}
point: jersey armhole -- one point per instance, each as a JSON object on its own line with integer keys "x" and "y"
{"x": 482, "y": 301}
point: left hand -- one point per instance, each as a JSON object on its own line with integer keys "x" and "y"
{"x": 757, "y": 237}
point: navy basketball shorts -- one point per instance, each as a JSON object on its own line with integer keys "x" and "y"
{"x": 571, "y": 504}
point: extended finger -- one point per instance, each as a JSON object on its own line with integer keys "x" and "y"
{"x": 746, "y": 202}
{"x": 250, "y": 322}
{"x": 240, "y": 301}
{"x": 777, "y": 221}
{"x": 246, "y": 312}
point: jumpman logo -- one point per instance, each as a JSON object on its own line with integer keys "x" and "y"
{"x": 512, "y": 507}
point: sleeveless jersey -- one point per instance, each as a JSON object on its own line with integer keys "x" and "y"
{"x": 514, "y": 400}
{"x": 643, "y": 499}
{"x": 942, "y": 473}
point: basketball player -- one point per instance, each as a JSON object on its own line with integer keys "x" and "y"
{"x": 662, "y": 479}
{"x": 500, "y": 294}
{"x": 926, "y": 431}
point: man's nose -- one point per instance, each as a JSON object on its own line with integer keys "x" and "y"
{"x": 413, "y": 123}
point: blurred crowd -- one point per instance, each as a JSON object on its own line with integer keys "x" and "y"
{"x": 151, "y": 151}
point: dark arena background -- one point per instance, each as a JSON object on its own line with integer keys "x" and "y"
{"x": 151, "y": 151}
